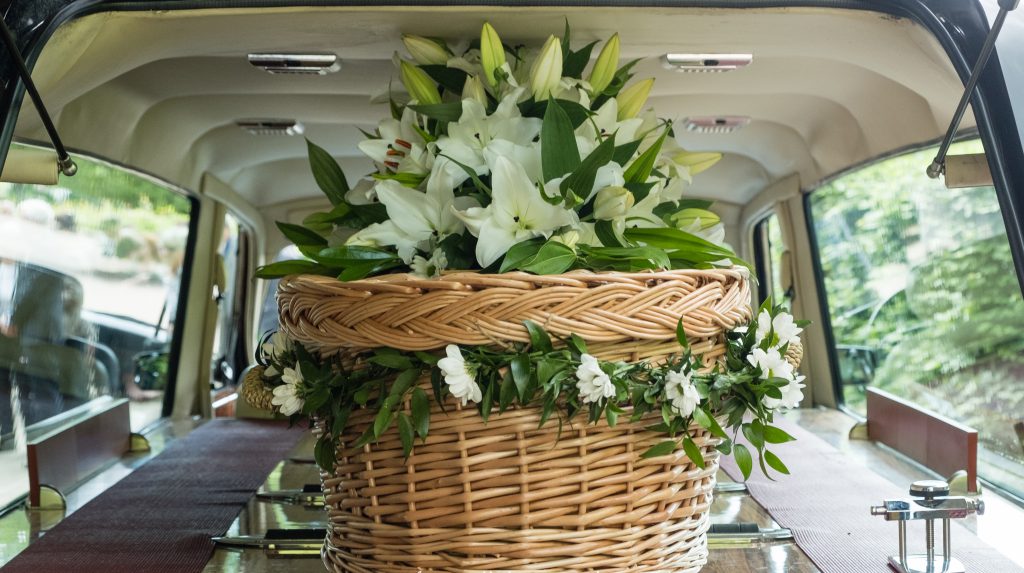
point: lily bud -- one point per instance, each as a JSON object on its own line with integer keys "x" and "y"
{"x": 546, "y": 72}
{"x": 426, "y": 51}
{"x": 613, "y": 203}
{"x": 604, "y": 67}
{"x": 695, "y": 220}
{"x": 696, "y": 161}
{"x": 568, "y": 238}
{"x": 420, "y": 86}
{"x": 632, "y": 99}
{"x": 474, "y": 89}
{"x": 492, "y": 53}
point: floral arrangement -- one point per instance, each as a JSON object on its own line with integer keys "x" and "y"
{"x": 510, "y": 160}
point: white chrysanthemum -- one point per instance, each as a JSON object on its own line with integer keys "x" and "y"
{"x": 457, "y": 374}
{"x": 682, "y": 392}
{"x": 592, "y": 382}
{"x": 792, "y": 395}
{"x": 429, "y": 268}
{"x": 771, "y": 363}
{"x": 286, "y": 396}
{"x": 764, "y": 324}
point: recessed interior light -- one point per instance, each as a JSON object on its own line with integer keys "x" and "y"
{"x": 716, "y": 123}
{"x": 271, "y": 126}
{"x": 301, "y": 64}
{"x": 706, "y": 62}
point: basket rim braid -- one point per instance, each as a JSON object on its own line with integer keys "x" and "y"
{"x": 608, "y": 309}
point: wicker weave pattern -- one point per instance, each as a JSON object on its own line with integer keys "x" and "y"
{"x": 506, "y": 496}
{"x": 606, "y": 309}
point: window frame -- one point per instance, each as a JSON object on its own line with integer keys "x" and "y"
{"x": 174, "y": 352}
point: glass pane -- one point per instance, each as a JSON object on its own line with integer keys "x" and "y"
{"x": 924, "y": 301}
{"x": 225, "y": 339}
{"x": 768, "y": 234}
{"x": 89, "y": 279}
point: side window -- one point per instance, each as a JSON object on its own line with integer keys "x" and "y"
{"x": 268, "y": 312}
{"x": 90, "y": 274}
{"x": 923, "y": 299}
{"x": 770, "y": 253}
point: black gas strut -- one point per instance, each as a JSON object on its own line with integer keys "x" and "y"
{"x": 938, "y": 166}
{"x": 64, "y": 161}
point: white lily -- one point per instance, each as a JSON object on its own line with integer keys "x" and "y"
{"x": 681, "y": 392}
{"x": 605, "y": 122}
{"x": 460, "y": 378}
{"x": 476, "y": 131}
{"x": 592, "y": 382}
{"x": 401, "y": 148}
{"x": 786, "y": 329}
{"x": 426, "y": 51}
{"x": 516, "y": 213}
{"x": 386, "y": 234}
{"x": 612, "y": 203}
{"x": 362, "y": 193}
{"x": 286, "y": 396}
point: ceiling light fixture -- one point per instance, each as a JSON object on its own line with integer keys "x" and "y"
{"x": 716, "y": 124}
{"x": 271, "y": 126}
{"x": 300, "y": 64}
{"x": 706, "y": 62}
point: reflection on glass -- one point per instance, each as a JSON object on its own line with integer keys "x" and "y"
{"x": 924, "y": 301}
{"x": 90, "y": 274}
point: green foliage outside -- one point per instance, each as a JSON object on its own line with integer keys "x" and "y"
{"x": 923, "y": 296}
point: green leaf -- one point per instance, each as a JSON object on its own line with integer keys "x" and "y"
{"x": 363, "y": 270}
{"x": 693, "y": 452}
{"x": 324, "y": 453}
{"x": 577, "y": 344}
{"x": 754, "y": 432}
{"x": 520, "y": 366}
{"x": 507, "y": 392}
{"x": 623, "y": 153}
{"x": 773, "y": 435}
{"x": 487, "y": 402}
{"x": 301, "y": 236}
{"x": 573, "y": 63}
{"x": 708, "y": 422}
{"x": 576, "y": 112}
{"x": 681, "y": 335}
{"x": 451, "y": 79}
{"x": 743, "y": 460}
{"x": 405, "y": 433}
{"x": 392, "y": 361}
{"x": 669, "y": 238}
{"x": 443, "y": 112}
{"x": 324, "y": 221}
{"x": 650, "y": 257}
{"x": 286, "y": 268}
{"x": 559, "y": 154}
{"x": 403, "y": 382}
{"x": 349, "y": 254}
{"x": 437, "y": 387}
{"x": 522, "y": 253}
{"x": 382, "y": 421}
{"x": 611, "y": 416}
{"x": 660, "y": 449}
{"x": 775, "y": 463}
{"x": 328, "y": 173}
{"x": 471, "y": 173}
{"x": 539, "y": 339}
{"x": 552, "y": 258}
{"x": 581, "y": 181}
{"x": 605, "y": 230}
{"x": 420, "y": 412}
{"x": 641, "y": 168}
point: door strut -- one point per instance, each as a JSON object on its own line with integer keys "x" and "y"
{"x": 938, "y": 166}
{"x": 64, "y": 161}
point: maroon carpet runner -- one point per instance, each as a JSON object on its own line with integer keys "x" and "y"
{"x": 160, "y": 517}
{"x": 825, "y": 501}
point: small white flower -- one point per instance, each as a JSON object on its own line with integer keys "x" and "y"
{"x": 786, "y": 328}
{"x": 286, "y": 396}
{"x": 270, "y": 371}
{"x": 277, "y": 345}
{"x": 429, "y": 268}
{"x": 792, "y": 395}
{"x": 460, "y": 379}
{"x": 682, "y": 392}
{"x": 771, "y": 363}
{"x": 764, "y": 324}
{"x": 592, "y": 382}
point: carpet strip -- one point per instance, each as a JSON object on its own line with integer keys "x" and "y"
{"x": 161, "y": 516}
{"x": 825, "y": 501}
